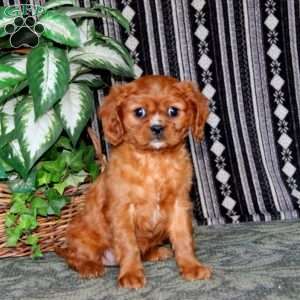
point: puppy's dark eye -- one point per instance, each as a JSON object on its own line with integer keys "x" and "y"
{"x": 173, "y": 111}
{"x": 140, "y": 112}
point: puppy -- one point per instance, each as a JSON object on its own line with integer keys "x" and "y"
{"x": 141, "y": 199}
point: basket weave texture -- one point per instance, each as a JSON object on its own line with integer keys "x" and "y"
{"x": 51, "y": 230}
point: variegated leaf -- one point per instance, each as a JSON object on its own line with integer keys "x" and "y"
{"x": 78, "y": 12}
{"x": 35, "y": 135}
{"x": 8, "y": 115}
{"x": 12, "y": 155}
{"x": 8, "y": 91}
{"x": 75, "y": 109}
{"x": 48, "y": 73}
{"x": 87, "y": 30}
{"x": 9, "y": 76}
{"x": 16, "y": 61}
{"x": 55, "y": 3}
{"x": 77, "y": 69}
{"x": 117, "y": 46}
{"x": 60, "y": 28}
{"x": 115, "y": 14}
{"x": 92, "y": 80}
{"x": 11, "y": 81}
{"x": 97, "y": 54}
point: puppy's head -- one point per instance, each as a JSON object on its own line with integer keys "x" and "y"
{"x": 153, "y": 112}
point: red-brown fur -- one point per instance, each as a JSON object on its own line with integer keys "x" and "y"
{"x": 142, "y": 197}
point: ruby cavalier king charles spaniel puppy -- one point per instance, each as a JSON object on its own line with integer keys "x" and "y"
{"x": 141, "y": 199}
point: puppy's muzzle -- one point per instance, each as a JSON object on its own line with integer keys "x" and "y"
{"x": 157, "y": 131}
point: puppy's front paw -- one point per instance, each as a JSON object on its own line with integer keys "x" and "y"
{"x": 132, "y": 280}
{"x": 196, "y": 272}
{"x": 90, "y": 269}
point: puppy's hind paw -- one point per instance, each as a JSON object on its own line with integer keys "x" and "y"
{"x": 158, "y": 253}
{"x": 132, "y": 280}
{"x": 90, "y": 269}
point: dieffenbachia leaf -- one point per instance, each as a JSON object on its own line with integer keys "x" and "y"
{"x": 10, "y": 76}
{"x": 78, "y": 12}
{"x": 75, "y": 109}
{"x": 35, "y": 135}
{"x": 55, "y": 3}
{"x": 10, "y": 80}
{"x": 8, "y": 91}
{"x": 97, "y": 54}
{"x": 115, "y": 14}
{"x": 16, "y": 61}
{"x": 8, "y": 115}
{"x": 12, "y": 155}
{"x": 117, "y": 46}
{"x": 87, "y": 30}
{"x": 92, "y": 80}
{"x": 60, "y": 28}
{"x": 48, "y": 75}
{"x": 77, "y": 69}
{"x": 7, "y": 16}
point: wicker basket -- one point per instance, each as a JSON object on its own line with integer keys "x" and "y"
{"x": 50, "y": 230}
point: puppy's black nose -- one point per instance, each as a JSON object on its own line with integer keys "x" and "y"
{"x": 157, "y": 129}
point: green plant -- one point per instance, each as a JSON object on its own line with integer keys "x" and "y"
{"x": 48, "y": 91}
{"x": 42, "y": 194}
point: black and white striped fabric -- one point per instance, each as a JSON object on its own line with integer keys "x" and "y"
{"x": 244, "y": 54}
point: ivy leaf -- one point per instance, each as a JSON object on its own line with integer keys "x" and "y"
{"x": 10, "y": 219}
{"x": 64, "y": 143}
{"x": 55, "y": 202}
{"x": 36, "y": 251}
{"x": 32, "y": 239}
{"x": 19, "y": 207}
{"x": 76, "y": 162}
{"x": 40, "y": 205}
{"x": 43, "y": 178}
{"x": 94, "y": 170}
{"x": 13, "y": 235}
{"x": 27, "y": 222}
{"x": 72, "y": 180}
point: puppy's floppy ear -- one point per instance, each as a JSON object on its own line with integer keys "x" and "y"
{"x": 199, "y": 103}
{"x": 109, "y": 115}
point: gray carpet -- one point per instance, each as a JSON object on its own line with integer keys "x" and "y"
{"x": 250, "y": 261}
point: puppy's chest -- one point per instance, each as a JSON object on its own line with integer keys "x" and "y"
{"x": 160, "y": 185}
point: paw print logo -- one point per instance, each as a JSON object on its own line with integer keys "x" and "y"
{"x": 24, "y": 32}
